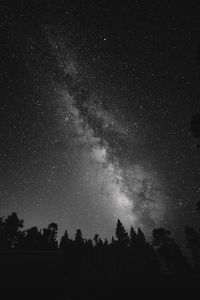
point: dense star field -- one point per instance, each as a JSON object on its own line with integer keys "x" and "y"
{"x": 95, "y": 114}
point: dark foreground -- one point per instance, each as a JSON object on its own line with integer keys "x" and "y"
{"x": 51, "y": 275}
{"x": 34, "y": 266}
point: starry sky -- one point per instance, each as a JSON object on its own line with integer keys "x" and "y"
{"x": 95, "y": 113}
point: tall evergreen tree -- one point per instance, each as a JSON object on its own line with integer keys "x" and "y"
{"x": 141, "y": 237}
{"x": 79, "y": 238}
{"x": 49, "y": 236}
{"x": 33, "y": 238}
{"x": 65, "y": 241}
{"x": 11, "y": 230}
{"x": 133, "y": 237}
{"x": 121, "y": 233}
{"x": 169, "y": 251}
{"x": 105, "y": 242}
{"x": 96, "y": 239}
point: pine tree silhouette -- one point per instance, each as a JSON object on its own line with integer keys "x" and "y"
{"x": 65, "y": 241}
{"x": 169, "y": 251}
{"x": 79, "y": 241}
{"x": 141, "y": 237}
{"x": 49, "y": 237}
{"x": 11, "y": 231}
{"x": 133, "y": 237}
{"x": 121, "y": 234}
{"x": 33, "y": 239}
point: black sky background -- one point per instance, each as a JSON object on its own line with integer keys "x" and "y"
{"x": 140, "y": 59}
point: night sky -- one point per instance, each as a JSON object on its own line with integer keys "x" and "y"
{"x": 95, "y": 113}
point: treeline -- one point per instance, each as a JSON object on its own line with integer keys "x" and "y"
{"x": 36, "y": 258}
{"x": 161, "y": 250}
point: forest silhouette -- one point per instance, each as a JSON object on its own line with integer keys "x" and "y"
{"x": 80, "y": 267}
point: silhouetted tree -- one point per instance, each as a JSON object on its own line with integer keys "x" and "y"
{"x": 79, "y": 241}
{"x": 141, "y": 237}
{"x": 121, "y": 234}
{"x": 133, "y": 237}
{"x": 49, "y": 237}
{"x": 161, "y": 236}
{"x": 193, "y": 243}
{"x": 1, "y": 223}
{"x": 10, "y": 231}
{"x": 96, "y": 239}
{"x": 100, "y": 243}
{"x": 106, "y": 242}
{"x": 169, "y": 251}
{"x": 2, "y": 234}
{"x": 65, "y": 241}
{"x": 33, "y": 238}
{"x": 112, "y": 240}
{"x": 89, "y": 243}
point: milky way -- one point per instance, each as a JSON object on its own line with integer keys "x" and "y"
{"x": 122, "y": 190}
{"x": 95, "y": 114}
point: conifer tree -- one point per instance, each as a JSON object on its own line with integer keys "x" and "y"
{"x": 121, "y": 234}
{"x": 133, "y": 237}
